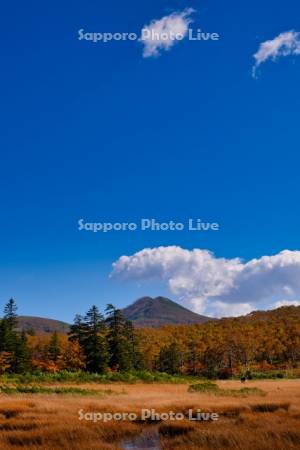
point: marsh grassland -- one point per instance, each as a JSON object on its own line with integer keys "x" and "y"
{"x": 266, "y": 416}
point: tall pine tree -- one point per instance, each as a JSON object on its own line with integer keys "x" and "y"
{"x": 170, "y": 359}
{"x": 94, "y": 341}
{"x": 54, "y": 350}
{"x": 120, "y": 348}
{"x": 12, "y": 342}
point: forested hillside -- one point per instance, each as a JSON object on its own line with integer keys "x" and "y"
{"x": 262, "y": 342}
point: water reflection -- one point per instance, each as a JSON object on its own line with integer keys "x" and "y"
{"x": 147, "y": 440}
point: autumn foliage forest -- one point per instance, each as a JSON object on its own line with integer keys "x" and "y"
{"x": 260, "y": 344}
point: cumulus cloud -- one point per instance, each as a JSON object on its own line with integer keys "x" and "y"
{"x": 162, "y": 34}
{"x": 285, "y": 44}
{"x": 219, "y": 286}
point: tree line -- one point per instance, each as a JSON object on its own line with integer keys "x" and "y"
{"x": 96, "y": 343}
{"x": 99, "y": 343}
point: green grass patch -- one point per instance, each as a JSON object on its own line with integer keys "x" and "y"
{"x": 209, "y": 387}
{"x": 84, "y": 377}
{"x": 206, "y": 386}
{"x": 142, "y": 376}
{"x": 244, "y": 392}
{"x": 36, "y": 389}
{"x": 272, "y": 375}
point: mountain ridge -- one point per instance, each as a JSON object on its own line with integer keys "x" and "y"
{"x": 144, "y": 312}
{"x": 41, "y": 325}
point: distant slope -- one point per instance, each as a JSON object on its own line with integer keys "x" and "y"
{"x": 41, "y": 325}
{"x": 159, "y": 311}
{"x": 156, "y": 312}
{"x": 284, "y": 312}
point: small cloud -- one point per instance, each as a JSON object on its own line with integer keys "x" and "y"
{"x": 282, "y": 303}
{"x": 162, "y": 34}
{"x": 221, "y": 309}
{"x": 285, "y": 44}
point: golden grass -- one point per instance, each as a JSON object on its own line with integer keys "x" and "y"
{"x": 50, "y": 422}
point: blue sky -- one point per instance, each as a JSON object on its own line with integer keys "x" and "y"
{"x": 97, "y": 131}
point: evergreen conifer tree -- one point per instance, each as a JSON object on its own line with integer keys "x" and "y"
{"x": 94, "y": 341}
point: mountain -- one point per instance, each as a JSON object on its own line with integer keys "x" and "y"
{"x": 40, "y": 325}
{"x": 155, "y": 312}
{"x": 145, "y": 312}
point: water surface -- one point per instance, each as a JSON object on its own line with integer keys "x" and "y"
{"x": 148, "y": 440}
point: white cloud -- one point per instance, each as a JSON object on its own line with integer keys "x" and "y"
{"x": 285, "y": 44}
{"x": 219, "y": 286}
{"x": 162, "y": 34}
{"x": 286, "y": 303}
{"x": 229, "y": 310}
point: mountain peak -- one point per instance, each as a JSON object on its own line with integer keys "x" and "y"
{"x": 159, "y": 311}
